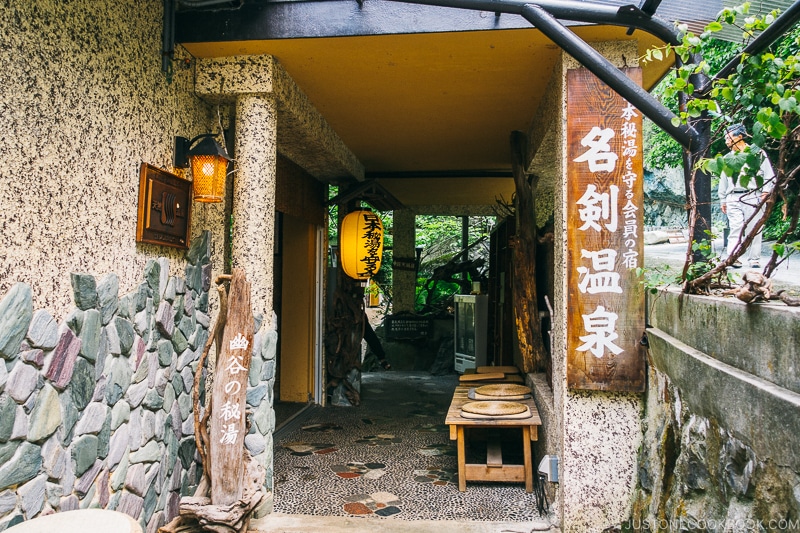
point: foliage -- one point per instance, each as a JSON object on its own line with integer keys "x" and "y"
{"x": 763, "y": 93}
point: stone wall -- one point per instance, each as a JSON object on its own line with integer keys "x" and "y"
{"x": 96, "y": 411}
{"x": 721, "y": 448}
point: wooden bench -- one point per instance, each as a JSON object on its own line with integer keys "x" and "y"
{"x": 494, "y": 469}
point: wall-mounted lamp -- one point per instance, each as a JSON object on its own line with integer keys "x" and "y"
{"x": 209, "y": 162}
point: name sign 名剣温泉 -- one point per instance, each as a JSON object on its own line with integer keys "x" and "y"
{"x": 605, "y": 317}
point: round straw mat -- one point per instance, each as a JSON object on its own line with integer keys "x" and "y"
{"x": 494, "y": 408}
{"x": 503, "y": 389}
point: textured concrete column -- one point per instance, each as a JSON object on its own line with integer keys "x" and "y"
{"x": 404, "y": 281}
{"x": 254, "y": 195}
{"x": 600, "y": 431}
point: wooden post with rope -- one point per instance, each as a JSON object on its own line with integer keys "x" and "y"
{"x": 232, "y": 485}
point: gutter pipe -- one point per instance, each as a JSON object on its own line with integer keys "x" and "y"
{"x": 776, "y": 30}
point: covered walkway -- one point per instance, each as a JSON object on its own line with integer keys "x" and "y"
{"x": 386, "y": 461}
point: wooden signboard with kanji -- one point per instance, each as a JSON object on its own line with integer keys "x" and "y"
{"x": 605, "y": 243}
{"x": 227, "y": 424}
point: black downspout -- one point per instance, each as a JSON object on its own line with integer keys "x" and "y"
{"x": 168, "y": 37}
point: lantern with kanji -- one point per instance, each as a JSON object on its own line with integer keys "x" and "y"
{"x": 361, "y": 244}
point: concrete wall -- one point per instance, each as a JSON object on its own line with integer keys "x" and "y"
{"x": 722, "y": 423}
{"x": 82, "y": 104}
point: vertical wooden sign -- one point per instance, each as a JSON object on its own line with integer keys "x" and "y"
{"x": 226, "y": 438}
{"x": 605, "y": 243}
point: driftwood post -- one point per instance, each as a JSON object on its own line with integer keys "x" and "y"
{"x": 233, "y": 481}
{"x": 228, "y": 429}
{"x": 526, "y": 307}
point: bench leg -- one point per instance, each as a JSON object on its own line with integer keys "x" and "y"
{"x": 528, "y": 461}
{"x": 462, "y": 469}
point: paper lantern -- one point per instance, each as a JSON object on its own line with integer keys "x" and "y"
{"x": 361, "y": 244}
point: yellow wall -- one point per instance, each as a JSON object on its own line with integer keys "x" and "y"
{"x": 298, "y": 310}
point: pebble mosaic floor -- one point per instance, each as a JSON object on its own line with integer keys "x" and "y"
{"x": 391, "y": 456}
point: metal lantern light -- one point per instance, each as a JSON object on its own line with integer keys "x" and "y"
{"x": 361, "y": 244}
{"x": 209, "y": 162}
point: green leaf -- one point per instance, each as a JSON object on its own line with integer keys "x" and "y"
{"x": 714, "y": 26}
{"x": 658, "y": 54}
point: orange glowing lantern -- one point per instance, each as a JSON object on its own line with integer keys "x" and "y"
{"x": 361, "y": 244}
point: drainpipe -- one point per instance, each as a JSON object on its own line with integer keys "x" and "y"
{"x": 777, "y": 29}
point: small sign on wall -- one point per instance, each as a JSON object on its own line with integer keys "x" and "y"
{"x": 165, "y": 208}
{"x": 605, "y": 243}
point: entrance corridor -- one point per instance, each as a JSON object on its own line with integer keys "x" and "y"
{"x": 387, "y": 465}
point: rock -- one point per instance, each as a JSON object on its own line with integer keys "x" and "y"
{"x": 62, "y": 362}
{"x": 165, "y": 319}
{"x": 92, "y": 419}
{"x": 69, "y": 416}
{"x": 31, "y": 496}
{"x": 118, "y": 446}
{"x": 20, "y": 431}
{"x": 8, "y": 410}
{"x": 136, "y": 394}
{"x": 69, "y": 503}
{"x": 119, "y": 379}
{"x": 82, "y": 384}
{"x": 8, "y": 501}
{"x": 54, "y": 458}
{"x": 130, "y": 504}
{"x": 199, "y": 248}
{"x": 149, "y": 454}
{"x": 22, "y": 381}
{"x": 125, "y": 333}
{"x": 84, "y": 453}
{"x": 45, "y": 418}
{"x": 163, "y": 276}
{"x": 179, "y": 341}
{"x": 90, "y": 334}
{"x": 153, "y": 400}
{"x": 134, "y": 481}
{"x": 152, "y": 275}
{"x": 165, "y": 352}
{"x": 118, "y": 476}
{"x": 22, "y": 467}
{"x": 170, "y": 293}
{"x": 256, "y": 394}
{"x": 3, "y": 376}
{"x": 255, "y": 443}
{"x": 84, "y": 486}
{"x": 205, "y": 277}
{"x": 34, "y": 357}
{"x": 43, "y": 331}
{"x": 84, "y": 289}
{"x": 16, "y": 313}
{"x": 120, "y": 413}
{"x": 186, "y": 326}
{"x": 112, "y": 342}
{"x": 108, "y": 297}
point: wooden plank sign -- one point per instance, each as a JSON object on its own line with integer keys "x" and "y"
{"x": 605, "y": 244}
{"x": 226, "y": 438}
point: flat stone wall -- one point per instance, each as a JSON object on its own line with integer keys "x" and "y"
{"x": 97, "y": 411}
{"x": 721, "y": 448}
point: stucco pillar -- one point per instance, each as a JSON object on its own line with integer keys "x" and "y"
{"x": 404, "y": 282}
{"x": 254, "y": 196}
{"x": 600, "y": 432}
